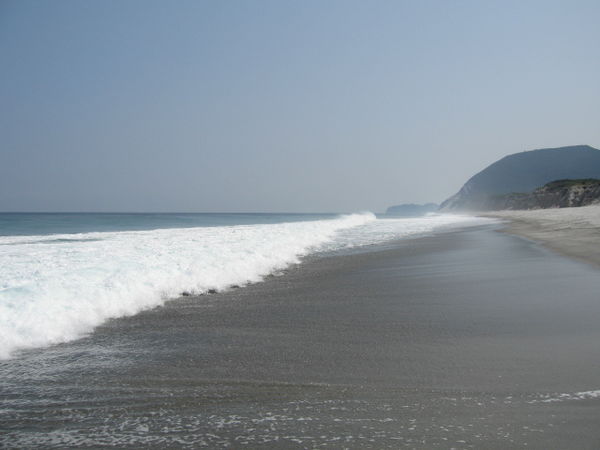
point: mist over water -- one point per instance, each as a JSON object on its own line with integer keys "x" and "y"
{"x": 58, "y": 287}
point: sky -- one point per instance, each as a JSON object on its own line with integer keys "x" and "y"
{"x": 283, "y": 106}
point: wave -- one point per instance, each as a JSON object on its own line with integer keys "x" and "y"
{"x": 63, "y": 289}
{"x": 57, "y": 288}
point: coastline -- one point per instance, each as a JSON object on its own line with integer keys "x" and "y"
{"x": 573, "y": 232}
{"x": 466, "y": 339}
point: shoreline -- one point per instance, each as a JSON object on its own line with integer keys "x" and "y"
{"x": 469, "y": 338}
{"x": 572, "y": 232}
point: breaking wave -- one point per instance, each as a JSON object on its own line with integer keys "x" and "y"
{"x": 59, "y": 287}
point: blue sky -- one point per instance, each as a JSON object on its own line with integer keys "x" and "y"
{"x": 280, "y": 105}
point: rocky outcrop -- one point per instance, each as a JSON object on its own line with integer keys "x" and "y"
{"x": 557, "y": 194}
{"x": 524, "y": 172}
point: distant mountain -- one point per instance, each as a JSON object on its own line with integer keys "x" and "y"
{"x": 411, "y": 210}
{"x": 524, "y": 172}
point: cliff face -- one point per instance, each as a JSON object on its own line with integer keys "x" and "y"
{"x": 557, "y": 194}
{"x": 523, "y": 172}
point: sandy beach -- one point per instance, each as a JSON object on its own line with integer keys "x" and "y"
{"x": 574, "y": 232}
{"x": 270, "y": 225}
{"x": 466, "y": 339}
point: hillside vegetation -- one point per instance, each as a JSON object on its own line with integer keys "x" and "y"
{"x": 556, "y": 194}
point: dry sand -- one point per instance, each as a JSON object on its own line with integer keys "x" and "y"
{"x": 574, "y": 232}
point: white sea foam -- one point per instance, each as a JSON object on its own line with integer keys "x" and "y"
{"x": 57, "y": 288}
{"x": 551, "y": 398}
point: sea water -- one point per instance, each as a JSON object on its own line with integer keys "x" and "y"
{"x": 61, "y": 275}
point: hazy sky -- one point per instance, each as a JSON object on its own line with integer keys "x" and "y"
{"x": 283, "y": 105}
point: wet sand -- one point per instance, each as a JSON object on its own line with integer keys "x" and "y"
{"x": 468, "y": 339}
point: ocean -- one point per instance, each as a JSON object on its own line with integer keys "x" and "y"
{"x": 62, "y": 275}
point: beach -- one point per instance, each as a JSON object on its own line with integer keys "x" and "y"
{"x": 272, "y": 225}
{"x": 574, "y": 232}
{"x": 463, "y": 339}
